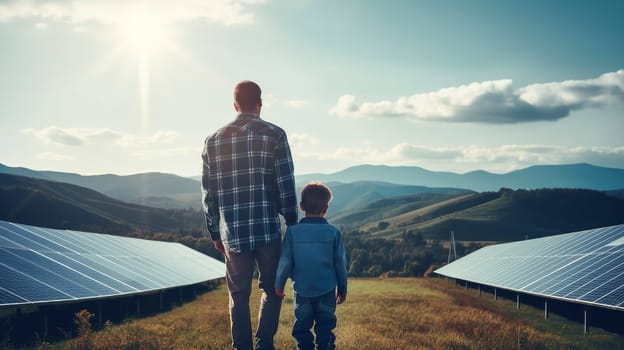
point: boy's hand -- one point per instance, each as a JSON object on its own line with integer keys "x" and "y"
{"x": 340, "y": 299}
{"x": 219, "y": 246}
{"x": 279, "y": 293}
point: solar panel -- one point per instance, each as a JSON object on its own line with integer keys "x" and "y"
{"x": 585, "y": 267}
{"x": 41, "y": 265}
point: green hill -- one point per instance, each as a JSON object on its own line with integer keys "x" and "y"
{"x": 60, "y": 205}
{"x": 362, "y": 195}
{"x": 390, "y": 207}
{"x": 507, "y": 215}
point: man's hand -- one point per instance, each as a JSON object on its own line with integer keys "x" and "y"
{"x": 340, "y": 299}
{"x": 279, "y": 293}
{"x": 219, "y": 246}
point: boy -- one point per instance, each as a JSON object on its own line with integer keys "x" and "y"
{"x": 313, "y": 256}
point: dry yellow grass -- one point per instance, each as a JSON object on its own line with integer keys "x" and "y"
{"x": 378, "y": 314}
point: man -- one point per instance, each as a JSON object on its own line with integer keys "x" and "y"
{"x": 247, "y": 181}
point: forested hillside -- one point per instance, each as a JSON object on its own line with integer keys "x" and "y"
{"x": 506, "y": 215}
{"x": 60, "y": 205}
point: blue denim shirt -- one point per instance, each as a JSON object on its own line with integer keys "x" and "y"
{"x": 313, "y": 256}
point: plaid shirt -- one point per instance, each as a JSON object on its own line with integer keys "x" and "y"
{"x": 247, "y": 180}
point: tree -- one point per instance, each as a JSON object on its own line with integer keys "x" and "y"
{"x": 382, "y": 225}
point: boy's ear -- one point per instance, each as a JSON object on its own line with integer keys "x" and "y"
{"x": 301, "y": 206}
{"x": 325, "y": 209}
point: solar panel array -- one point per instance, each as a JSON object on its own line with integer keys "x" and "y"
{"x": 42, "y": 265}
{"x": 584, "y": 267}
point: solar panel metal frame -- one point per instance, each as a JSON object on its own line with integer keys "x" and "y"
{"x": 585, "y": 267}
{"x": 77, "y": 266}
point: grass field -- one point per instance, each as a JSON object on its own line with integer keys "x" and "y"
{"x": 414, "y": 313}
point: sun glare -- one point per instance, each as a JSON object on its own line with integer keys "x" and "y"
{"x": 146, "y": 37}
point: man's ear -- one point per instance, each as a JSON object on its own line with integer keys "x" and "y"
{"x": 260, "y": 103}
{"x": 301, "y": 206}
{"x": 236, "y": 108}
{"x": 325, "y": 210}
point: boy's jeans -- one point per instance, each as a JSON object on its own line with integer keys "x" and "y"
{"x": 239, "y": 274}
{"x": 320, "y": 311}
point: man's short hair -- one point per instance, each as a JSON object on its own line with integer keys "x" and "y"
{"x": 247, "y": 95}
{"x": 315, "y": 197}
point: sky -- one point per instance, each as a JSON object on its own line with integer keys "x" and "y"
{"x": 125, "y": 87}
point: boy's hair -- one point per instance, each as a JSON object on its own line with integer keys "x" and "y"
{"x": 315, "y": 196}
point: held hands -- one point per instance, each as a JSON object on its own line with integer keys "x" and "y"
{"x": 219, "y": 246}
{"x": 279, "y": 293}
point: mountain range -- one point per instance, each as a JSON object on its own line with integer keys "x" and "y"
{"x": 150, "y": 189}
{"x": 540, "y": 176}
{"x": 172, "y": 191}
{"x": 378, "y": 209}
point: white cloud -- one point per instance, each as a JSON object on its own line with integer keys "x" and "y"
{"x": 269, "y": 101}
{"x": 409, "y": 151}
{"x": 84, "y": 136}
{"x": 41, "y": 26}
{"x": 53, "y": 134}
{"x": 302, "y": 140}
{"x": 227, "y": 12}
{"x": 346, "y": 107}
{"x": 158, "y": 137}
{"x": 511, "y": 156}
{"x": 167, "y": 152}
{"x": 575, "y": 94}
{"x": 55, "y": 157}
{"x": 501, "y": 158}
{"x": 494, "y": 101}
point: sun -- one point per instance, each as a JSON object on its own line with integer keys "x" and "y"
{"x": 144, "y": 32}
